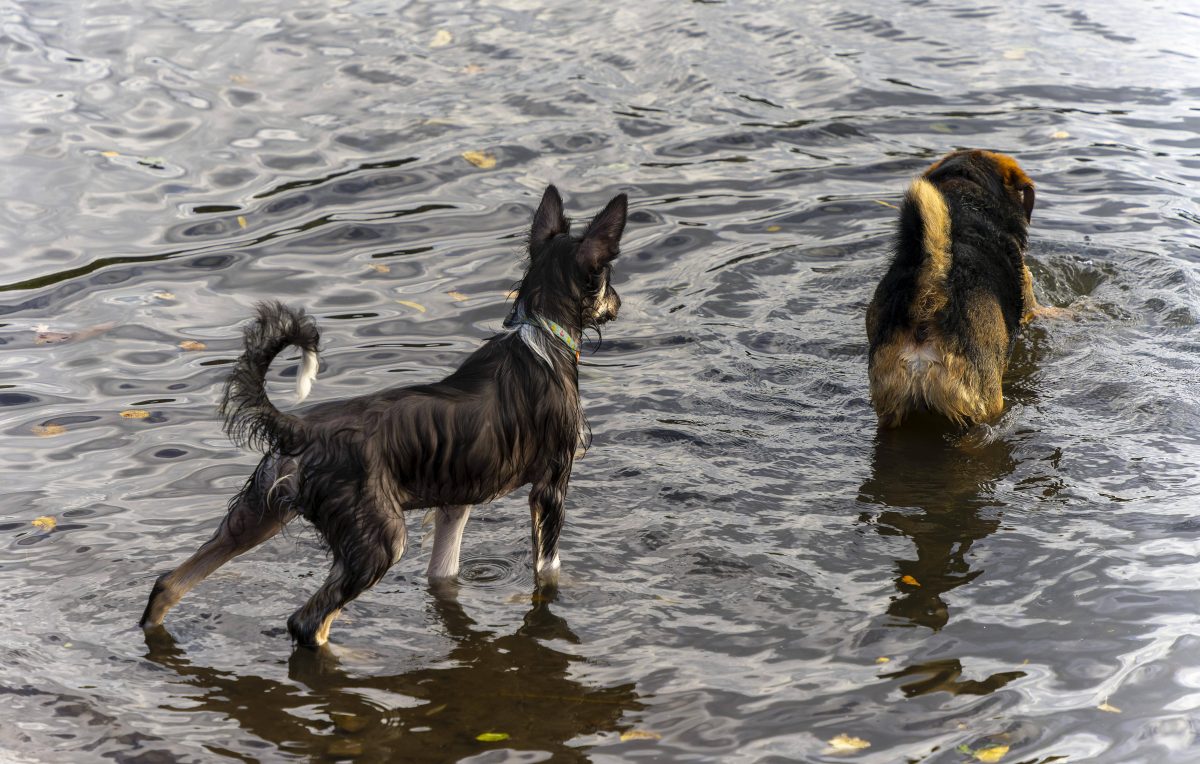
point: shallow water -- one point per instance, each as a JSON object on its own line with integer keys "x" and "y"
{"x": 739, "y": 532}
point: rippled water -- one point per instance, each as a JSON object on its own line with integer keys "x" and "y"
{"x": 739, "y": 535}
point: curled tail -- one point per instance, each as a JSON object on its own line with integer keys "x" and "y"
{"x": 925, "y": 237}
{"x": 250, "y": 417}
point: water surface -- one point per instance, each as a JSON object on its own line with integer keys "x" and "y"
{"x": 750, "y": 568}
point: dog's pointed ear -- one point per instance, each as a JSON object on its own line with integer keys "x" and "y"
{"x": 549, "y": 220}
{"x": 1027, "y": 201}
{"x": 602, "y": 239}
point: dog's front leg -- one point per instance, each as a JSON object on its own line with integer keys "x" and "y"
{"x": 546, "y": 512}
{"x": 448, "y": 525}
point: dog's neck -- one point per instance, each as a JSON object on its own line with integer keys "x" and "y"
{"x": 544, "y": 336}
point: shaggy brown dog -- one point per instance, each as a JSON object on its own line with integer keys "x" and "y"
{"x": 943, "y": 321}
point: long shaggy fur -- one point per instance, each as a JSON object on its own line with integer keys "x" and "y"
{"x": 944, "y": 319}
{"x": 510, "y": 415}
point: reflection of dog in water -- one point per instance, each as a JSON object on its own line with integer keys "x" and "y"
{"x": 509, "y": 416}
{"x": 524, "y": 684}
{"x": 945, "y": 317}
{"x": 935, "y": 491}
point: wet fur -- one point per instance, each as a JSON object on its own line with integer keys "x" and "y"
{"x": 945, "y": 317}
{"x": 510, "y": 415}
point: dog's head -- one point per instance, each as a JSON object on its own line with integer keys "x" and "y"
{"x": 998, "y": 173}
{"x": 568, "y": 278}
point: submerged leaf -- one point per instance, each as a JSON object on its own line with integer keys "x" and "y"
{"x": 110, "y": 154}
{"x": 1105, "y": 706}
{"x": 441, "y": 39}
{"x": 491, "y": 737}
{"x": 45, "y": 523}
{"x": 991, "y": 753}
{"x": 774, "y": 228}
{"x": 241, "y": 221}
{"x": 639, "y": 735}
{"x": 192, "y": 345}
{"x": 414, "y": 305}
{"x": 481, "y": 159}
{"x": 1060, "y": 134}
{"x": 380, "y": 267}
{"x": 845, "y": 743}
{"x": 135, "y": 414}
{"x": 48, "y": 430}
{"x": 458, "y": 296}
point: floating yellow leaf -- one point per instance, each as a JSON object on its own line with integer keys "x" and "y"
{"x": 883, "y": 659}
{"x": 481, "y": 159}
{"x": 639, "y": 735}
{"x": 135, "y": 414}
{"x": 1060, "y": 134}
{"x": 164, "y": 296}
{"x": 441, "y": 39}
{"x": 414, "y": 305}
{"x": 192, "y": 345}
{"x": 45, "y": 523}
{"x": 845, "y": 743}
{"x": 380, "y": 268}
{"x": 909, "y": 580}
{"x": 241, "y": 221}
{"x": 992, "y": 753}
{"x": 774, "y": 228}
{"x": 48, "y": 430}
{"x": 1109, "y": 708}
{"x": 458, "y": 296}
{"x": 491, "y": 737}
{"x": 886, "y": 204}
{"x": 344, "y": 748}
{"x": 110, "y": 154}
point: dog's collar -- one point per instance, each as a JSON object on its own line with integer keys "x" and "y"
{"x": 521, "y": 318}
{"x": 557, "y": 331}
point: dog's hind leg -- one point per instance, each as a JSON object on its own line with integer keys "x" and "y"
{"x": 253, "y": 518}
{"x": 448, "y": 526}
{"x": 362, "y": 554}
{"x": 546, "y": 512}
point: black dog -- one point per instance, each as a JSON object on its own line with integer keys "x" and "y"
{"x": 944, "y": 320}
{"x": 510, "y": 415}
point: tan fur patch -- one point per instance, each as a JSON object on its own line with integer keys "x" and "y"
{"x": 907, "y": 377}
{"x": 935, "y": 219}
{"x": 1014, "y": 177}
{"x": 933, "y": 375}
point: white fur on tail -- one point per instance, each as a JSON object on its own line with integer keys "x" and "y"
{"x": 308, "y": 372}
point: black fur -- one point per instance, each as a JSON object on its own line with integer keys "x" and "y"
{"x": 507, "y": 417}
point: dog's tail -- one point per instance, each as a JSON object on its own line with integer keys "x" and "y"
{"x": 250, "y": 418}
{"x": 925, "y": 237}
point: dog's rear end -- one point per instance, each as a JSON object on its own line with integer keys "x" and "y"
{"x": 944, "y": 319}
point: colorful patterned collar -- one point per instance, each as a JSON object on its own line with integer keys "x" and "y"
{"x": 557, "y": 331}
{"x": 520, "y": 318}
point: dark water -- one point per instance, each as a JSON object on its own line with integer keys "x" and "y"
{"x": 738, "y": 535}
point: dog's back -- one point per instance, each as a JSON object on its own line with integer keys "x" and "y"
{"x": 944, "y": 319}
